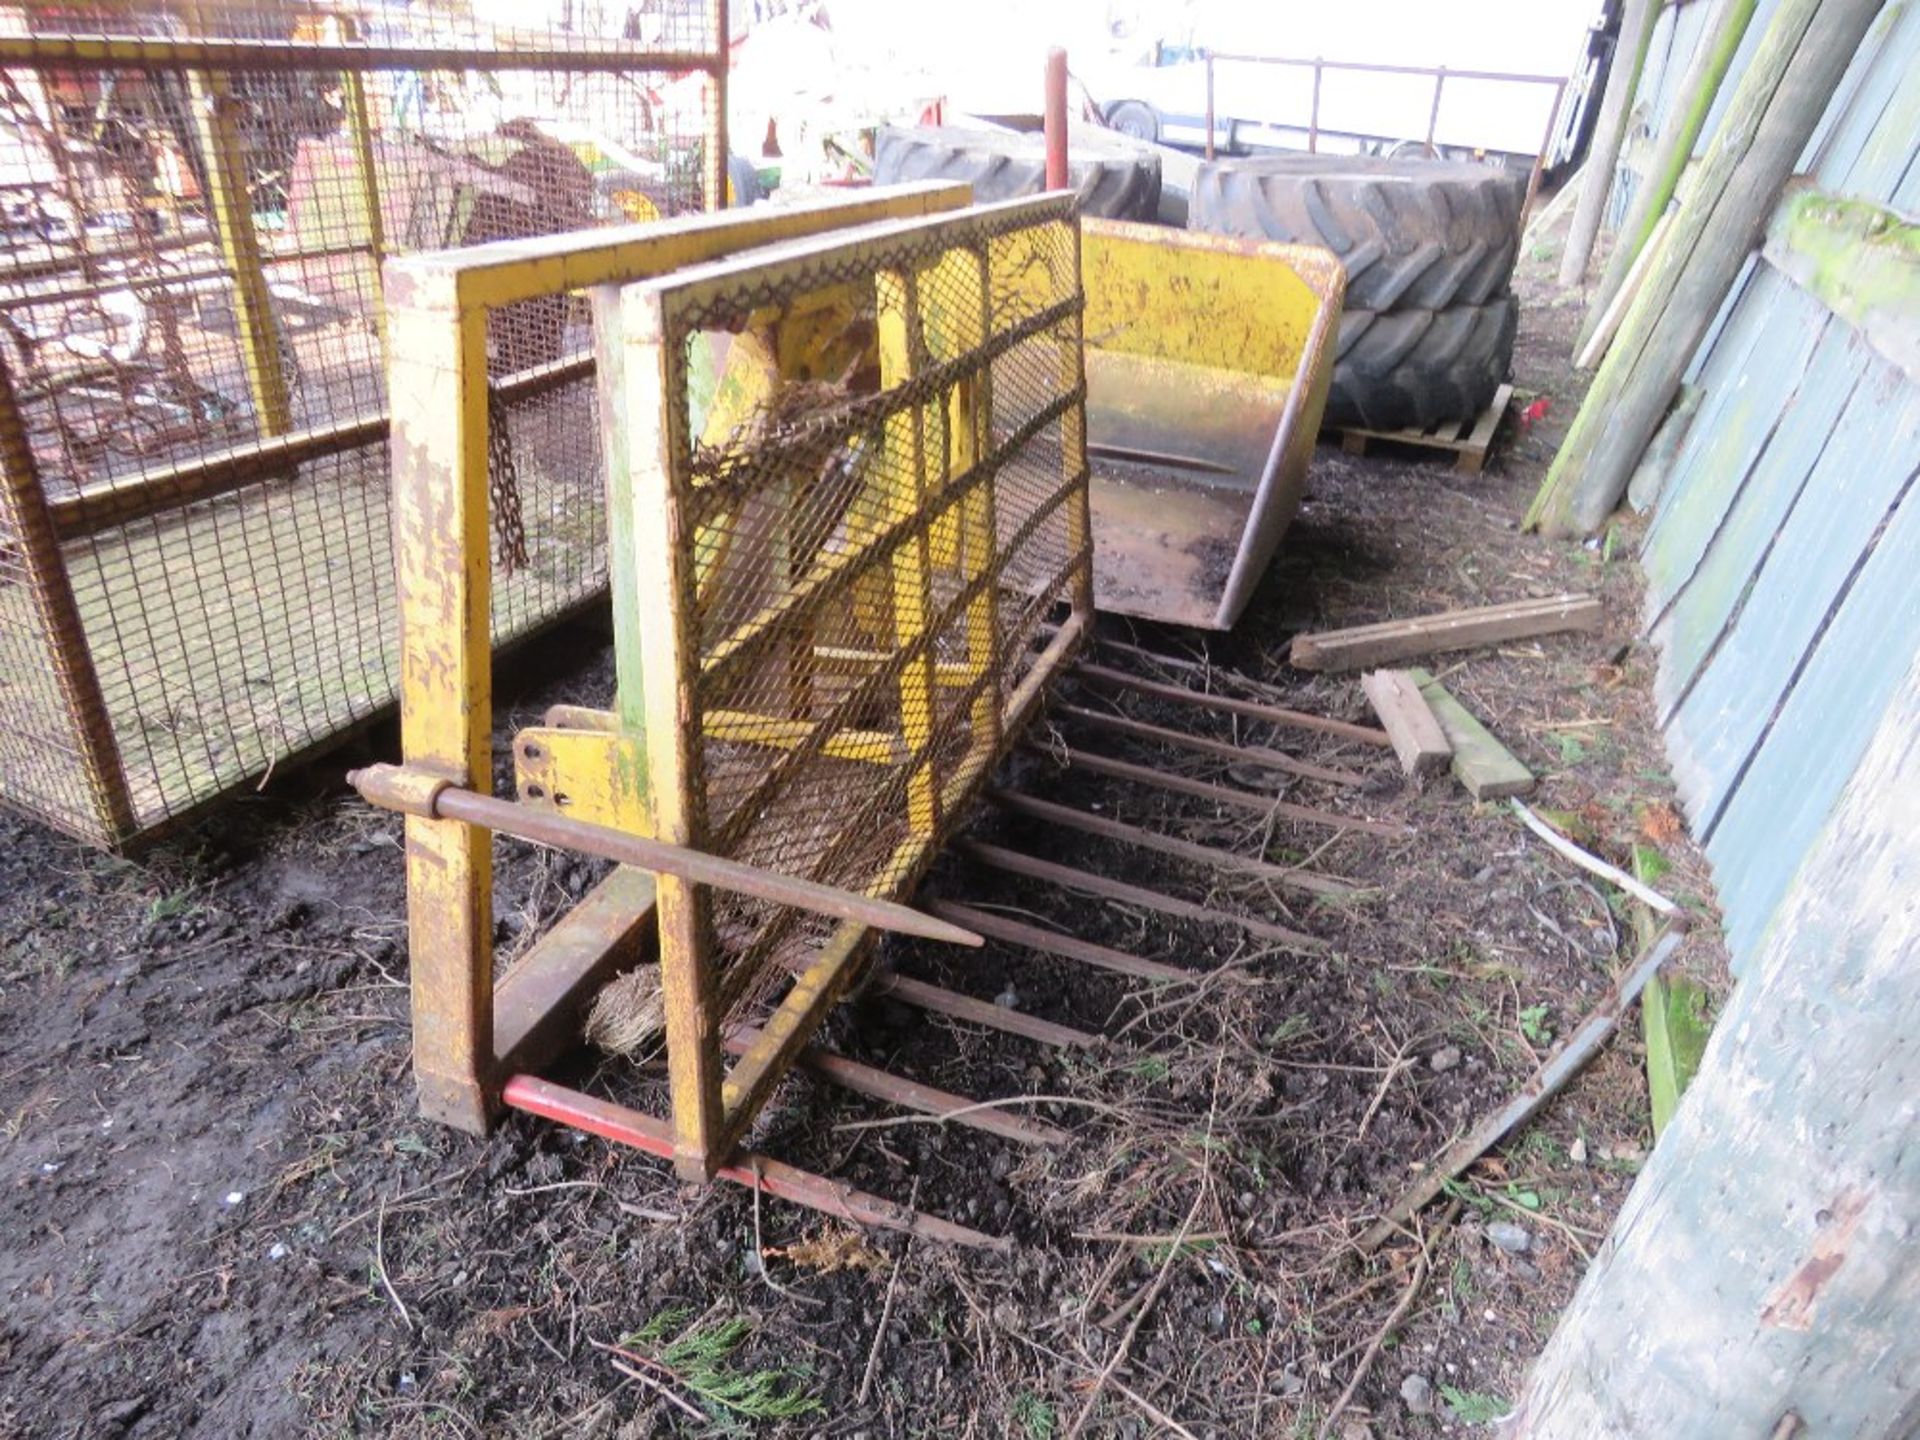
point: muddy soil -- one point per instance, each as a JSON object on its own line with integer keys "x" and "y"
{"x": 223, "y": 1218}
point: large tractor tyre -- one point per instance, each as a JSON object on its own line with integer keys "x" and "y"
{"x": 1416, "y": 368}
{"x": 1116, "y": 180}
{"x": 1412, "y": 234}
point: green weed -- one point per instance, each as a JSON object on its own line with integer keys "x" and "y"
{"x": 1034, "y": 1416}
{"x": 699, "y": 1357}
{"x": 1474, "y": 1406}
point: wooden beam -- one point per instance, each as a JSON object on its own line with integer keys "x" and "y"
{"x": 1391, "y": 640}
{"x": 1603, "y": 153}
{"x": 1782, "y": 94}
{"x": 1480, "y": 762}
{"x": 1417, "y": 737}
{"x": 1686, "y": 118}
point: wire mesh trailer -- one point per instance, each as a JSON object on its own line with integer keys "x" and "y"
{"x": 851, "y": 544}
{"x": 195, "y": 558}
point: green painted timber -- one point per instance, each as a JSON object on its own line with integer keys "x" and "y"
{"x": 1480, "y": 762}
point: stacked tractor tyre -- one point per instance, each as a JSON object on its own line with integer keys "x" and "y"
{"x": 1116, "y": 179}
{"x": 1429, "y": 249}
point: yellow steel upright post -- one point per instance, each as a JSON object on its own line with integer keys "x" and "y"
{"x": 973, "y": 425}
{"x": 904, "y": 478}
{"x": 1073, "y": 424}
{"x": 716, "y": 137}
{"x": 437, "y": 383}
{"x": 231, "y": 203}
{"x": 655, "y": 588}
{"x": 353, "y": 94}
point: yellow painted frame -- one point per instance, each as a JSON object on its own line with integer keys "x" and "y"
{"x": 437, "y": 309}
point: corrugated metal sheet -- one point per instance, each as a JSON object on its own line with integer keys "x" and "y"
{"x": 1783, "y": 567}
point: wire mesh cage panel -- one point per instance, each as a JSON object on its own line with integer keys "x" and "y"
{"x": 196, "y": 576}
{"x": 849, "y": 505}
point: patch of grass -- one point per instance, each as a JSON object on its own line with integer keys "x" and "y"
{"x": 699, "y": 1358}
{"x": 1475, "y": 1407}
{"x": 1572, "y": 748}
{"x": 1533, "y": 1024}
{"x": 170, "y": 907}
{"x": 1034, "y": 1416}
{"x": 1294, "y": 1027}
{"x": 1150, "y": 1068}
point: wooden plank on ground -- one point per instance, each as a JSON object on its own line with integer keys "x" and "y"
{"x": 1391, "y": 640}
{"x": 1480, "y": 762}
{"x": 1410, "y": 724}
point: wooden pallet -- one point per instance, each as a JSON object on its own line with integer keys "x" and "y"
{"x": 1469, "y": 446}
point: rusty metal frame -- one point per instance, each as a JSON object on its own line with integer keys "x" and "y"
{"x": 437, "y": 387}
{"x": 208, "y": 64}
{"x": 476, "y": 1047}
{"x": 659, "y": 516}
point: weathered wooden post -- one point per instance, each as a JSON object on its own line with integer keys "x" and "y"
{"x": 1795, "y": 71}
{"x": 1673, "y": 149}
{"x": 1596, "y": 181}
{"x": 1764, "y": 1276}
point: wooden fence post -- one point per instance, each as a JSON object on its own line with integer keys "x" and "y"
{"x": 1596, "y": 182}
{"x": 1781, "y": 98}
{"x": 1672, "y": 151}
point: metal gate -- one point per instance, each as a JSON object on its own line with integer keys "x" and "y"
{"x": 195, "y": 566}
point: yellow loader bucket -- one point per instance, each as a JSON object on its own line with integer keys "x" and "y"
{"x": 1208, "y": 361}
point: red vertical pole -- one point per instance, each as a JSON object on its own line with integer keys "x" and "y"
{"x": 1056, "y": 119}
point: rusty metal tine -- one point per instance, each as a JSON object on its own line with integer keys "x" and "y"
{"x": 451, "y": 802}
{"x": 1052, "y": 942}
{"x": 1251, "y": 709}
{"x": 951, "y": 1003}
{"x": 772, "y": 1177}
{"x": 1204, "y": 855}
{"x": 1241, "y": 754}
{"x": 1249, "y": 800}
{"x": 878, "y": 1084}
{"x": 1014, "y": 863}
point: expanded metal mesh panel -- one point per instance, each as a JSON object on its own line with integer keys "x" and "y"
{"x": 196, "y": 202}
{"x": 870, "y": 459}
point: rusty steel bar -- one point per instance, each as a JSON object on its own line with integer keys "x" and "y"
{"x": 645, "y": 1132}
{"x": 1053, "y": 942}
{"x": 1207, "y": 856}
{"x": 997, "y": 857}
{"x": 941, "y": 1001}
{"x": 69, "y": 50}
{"x": 883, "y": 1085}
{"x": 415, "y": 792}
{"x": 1247, "y": 754}
{"x": 1250, "y": 709}
{"x": 23, "y": 504}
{"x": 1248, "y": 800}
{"x": 1056, "y": 118}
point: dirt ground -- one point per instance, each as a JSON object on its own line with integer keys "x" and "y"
{"x": 222, "y": 1217}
